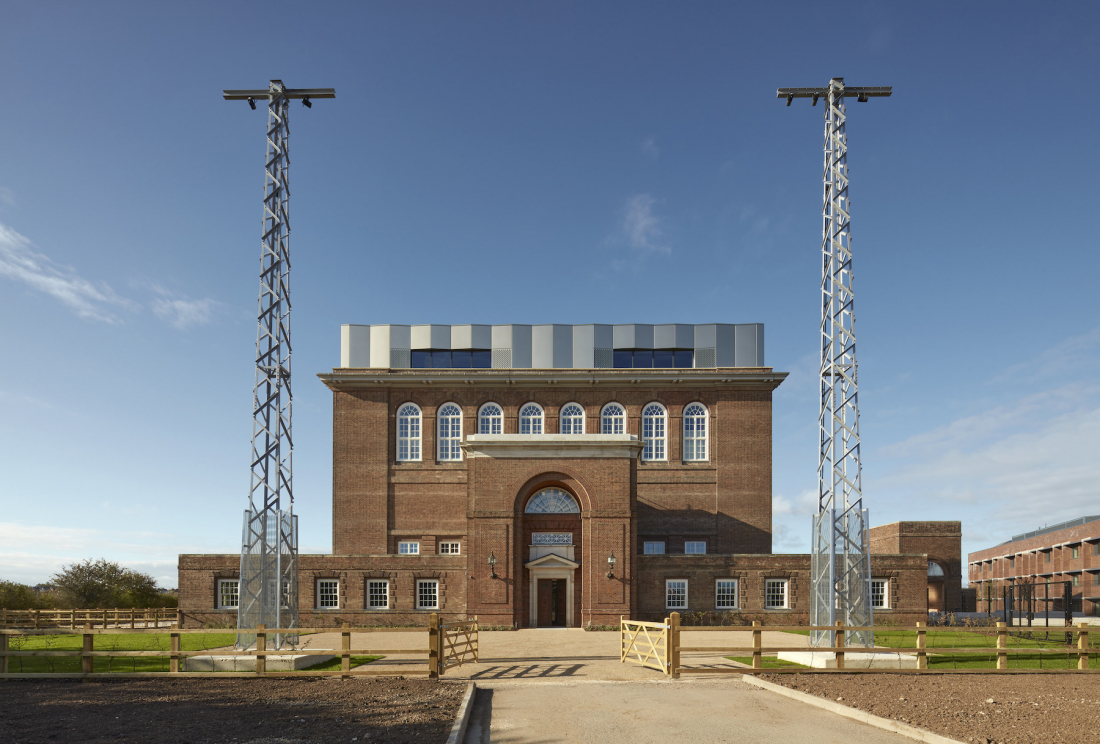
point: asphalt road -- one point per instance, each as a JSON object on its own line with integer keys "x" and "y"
{"x": 536, "y": 712}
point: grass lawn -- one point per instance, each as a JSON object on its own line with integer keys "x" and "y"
{"x": 769, "y": 662}
{"x": 940, "y": 643}
{"x": 125, "y": 642}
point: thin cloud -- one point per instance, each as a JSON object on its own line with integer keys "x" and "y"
{"x": 649, "y": 147}
{"x": 21, "y": 262}
{"x": 7, "y": 197}
{"x": 644, "y": 231}
{"x": 184, "y": 314}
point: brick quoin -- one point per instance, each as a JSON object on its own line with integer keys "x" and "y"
{"x": 480, "y": 503}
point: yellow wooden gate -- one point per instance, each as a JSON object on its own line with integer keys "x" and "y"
{"x": 645, "y": 644}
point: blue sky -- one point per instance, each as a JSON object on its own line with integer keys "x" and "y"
{"x": 534, "y": 163}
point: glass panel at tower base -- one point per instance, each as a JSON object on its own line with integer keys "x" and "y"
{"x": 844, "y": 592}
{"x": 269, "y": 577}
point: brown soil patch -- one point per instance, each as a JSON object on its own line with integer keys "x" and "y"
{"x": 245, "y": 711}
{"x": 1046, "y": 708}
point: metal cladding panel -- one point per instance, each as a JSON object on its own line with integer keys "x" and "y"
{"x": 354, "y": 346}
{"x": 633, "y": 336}
{"x": 471, "y": 337}
{"x": 584, "y": 347}
{"x": 502, "y": 337}
{"x": 386, "y": 337}
{"x": 749, "y": 349}
{"x": 431, "y": 337}
{"x": 551, "y": 346}
{"x": 674, "y": 336}
{"x": 725, "y": 345}
{"x": 521, "y": 346}
{"x": 603, "y": 336}
{"x": 706, "y": 336}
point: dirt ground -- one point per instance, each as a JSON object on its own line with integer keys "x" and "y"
{"x": 246, "y": 711}
{"x": 981, "y": 708}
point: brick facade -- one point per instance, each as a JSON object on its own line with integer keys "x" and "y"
{"x": 941, "y": 542}
{"x": 624, "y": 501}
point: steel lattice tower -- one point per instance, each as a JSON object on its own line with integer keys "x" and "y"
{"x": 840, "y": 564}
{"x": 269, "y": 547}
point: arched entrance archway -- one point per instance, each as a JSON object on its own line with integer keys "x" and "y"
{"x": 551, "y": 539}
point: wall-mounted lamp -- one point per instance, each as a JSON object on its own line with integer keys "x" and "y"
{"x": 493, "y": 564}
{"x": 611, "y": 565}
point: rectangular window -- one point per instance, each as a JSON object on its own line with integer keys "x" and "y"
{"x": 328, "y": 594}
{"x": 1096, "y": 548}
{"x": 880, "y": 597}
{"x": 656, "y": 547}
{"x": 676, "y": 594}
{"x": 427, "y": 594}
{"x": 1077, "y": 579}
{"x": 228, "y": 593}
{"x": 623, "y": 359}
{"x": 1012, "y": 562}
{"x": 696, "y": 548}
{"x": 662, "y": 358}
{"x": 1076, "y": 550}
{"x": 684, "y": 359}
{"x": 1047, "y": 554}
{"x": 725, "y": 594}
{"x": 643, "y": 359}
{"x": 378, "y": 595}
{"x": 449, "y": 548}
{"x": 420, "y": 359}
{"x": 406, "y": 547}
{"x": 1096, "y": 580}
{"x": 775, "y": 594}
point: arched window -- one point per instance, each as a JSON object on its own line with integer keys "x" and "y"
{"x": 408, "y": 432}
{"x": 571, "y": 419}
{"x": 552, "y": 501}
{"x": 530, "y": 419}
{"x": 449, "y": 419}
{"x": 613, "y": 419}
{"x": 935, "y": 570}
{"x": 695, "y": 432}
{"x": 490, "y": 419}
{"x": 654, "y": 420}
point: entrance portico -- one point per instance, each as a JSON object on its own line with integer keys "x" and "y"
{"x": 546, "y": 568}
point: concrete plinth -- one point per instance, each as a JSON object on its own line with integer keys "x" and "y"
{"x": 287, "y": 663}
{"x": 852, "y": 659}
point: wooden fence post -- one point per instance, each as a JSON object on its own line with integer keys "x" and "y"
{"x": 433, "y": 646}
{"x": 174, "y": 662}
{"x": 1082, "y": 646}
{"x": 345, "y": 651}
{"x": 37, "y": 618}
{"x": 477, "y": 638}
{"x": 1002, "y": 645}
{"x": 922, "y": 642}
{"x": 757, "y": 644}
{"x": 840, "y": 640}
{"x": 261, "y": 646}
{"x": 673, "y": 645}
{"x": 86, "y": 662}
{"x": 3, "y": 650}
{"x": 72, "y": 620}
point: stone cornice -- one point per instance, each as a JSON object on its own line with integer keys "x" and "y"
{"x": 561, "y": 446}
{"x": 753, "y": 378}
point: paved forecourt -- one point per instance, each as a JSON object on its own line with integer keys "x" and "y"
{"x": 527, "y": 712}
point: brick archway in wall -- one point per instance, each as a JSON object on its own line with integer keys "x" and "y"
{"x": 528, "y": 524}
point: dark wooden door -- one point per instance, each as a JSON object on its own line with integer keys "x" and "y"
{"x": 558, "y": 595}
{"x": 545, "y": 603}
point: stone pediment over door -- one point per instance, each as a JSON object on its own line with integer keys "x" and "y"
{"x": 551, "y": 562}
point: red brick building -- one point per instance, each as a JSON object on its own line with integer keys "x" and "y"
{"x": 1069, "y": 551}
{"x": 559, "y": 475}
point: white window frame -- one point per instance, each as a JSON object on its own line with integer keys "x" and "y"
{"x": 490, "y": 421}
{"x": 648, "y": 544}
{"x": 408, "y": 547}
{"x": 613, "y": 422}
{"x": 321, "y": 598}
{"x": 420, "y": 597}
{"x": 885, "y": 594}
{"x": 532, "y": 424}
{"x": 571, "y": 424}
{"x": 449, "y": 427}
{"x": 670, "y": 599}
{"x": 695, "y": 547}
{"x": 696, "y": 438}
{"x": 450, "y": 547}
{"x": 736, "y": 584}
{"x": 655, "y": 432}
{"x": 409, "y": 426}
{"x": 768, "y": 603}
{"x": 371, "y": 584}
{"x": 221, "y": 593}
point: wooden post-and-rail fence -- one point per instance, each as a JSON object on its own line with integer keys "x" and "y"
{"x": 73, "y": 619}
{"x": 449, "y": 645}
{"x": 658, "y": 646}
